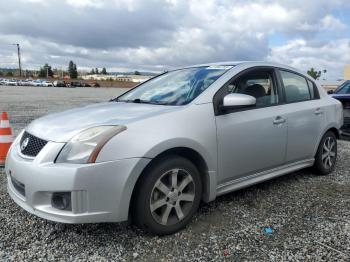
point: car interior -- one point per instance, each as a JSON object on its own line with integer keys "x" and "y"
{"x": 257, "y": 84}
{"x": 296, "y": 87}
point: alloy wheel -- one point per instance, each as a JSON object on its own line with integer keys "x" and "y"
{"x": 329, "y": 152}
{"x": 172, "y": 197}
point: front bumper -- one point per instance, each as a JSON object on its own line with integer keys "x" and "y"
{"x": 100, "y": 192}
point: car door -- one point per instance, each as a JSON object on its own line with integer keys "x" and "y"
{"x": 305, "y": 115}
{"x": 343, "y": 95}
{"x": 250, "y": 140}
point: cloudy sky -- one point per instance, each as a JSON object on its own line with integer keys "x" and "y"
{"x": 160, "y": 34}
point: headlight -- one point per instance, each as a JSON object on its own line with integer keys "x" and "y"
{"x": 18, "y": 137}
{"x": 85, "y": 147}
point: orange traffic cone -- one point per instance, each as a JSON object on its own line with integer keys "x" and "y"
{"x": 6, "y": 137}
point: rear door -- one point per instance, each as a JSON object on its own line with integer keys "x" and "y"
{"x": 305, "y": 115}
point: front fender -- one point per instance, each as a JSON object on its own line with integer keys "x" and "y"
{"x": 185, "y": 143}
{"x": 210, "y": 177}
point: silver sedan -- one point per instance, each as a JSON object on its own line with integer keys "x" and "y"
{"x": 153, "y": 154}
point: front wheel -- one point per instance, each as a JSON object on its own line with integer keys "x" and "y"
{"x": 326, "y": 156}
{"x": 167, "y": 196}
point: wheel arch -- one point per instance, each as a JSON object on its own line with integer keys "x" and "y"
{"x": 335, "y": 131}
{"x": 208, "y": 178}
{"x": 197, "y": 159}
{"x": 331, "y": 128}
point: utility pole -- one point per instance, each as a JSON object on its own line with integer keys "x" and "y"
{"x": 19, "y": 59}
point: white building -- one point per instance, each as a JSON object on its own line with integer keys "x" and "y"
{"x": 121, "y": 78}
{"x": 347, "y": 72}
{"x": 330, "y": 85}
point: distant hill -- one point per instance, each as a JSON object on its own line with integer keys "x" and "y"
{"x": 5, "y": 70}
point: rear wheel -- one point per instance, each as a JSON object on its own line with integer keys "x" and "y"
{"x": 168, "y": 195}
{"x": 326, "y": 156}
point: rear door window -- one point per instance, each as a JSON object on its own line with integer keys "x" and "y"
{"x": 296, "y": 87}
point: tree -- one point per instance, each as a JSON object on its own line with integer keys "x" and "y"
{"x": 137, "y": 73}
{"x": 9, "y": 74}
{"x": 92, "y": 72}
{"x": 72, "y": 70}
{"x": 46, "y": 71}
{"x": 96, "y": 71}
{"x": 1, "y": 73}
{"x": 42, "y": 72}
{"x": 314, "y": 74}
{"x": 75, "y": 71}
{"x": 28, "y": 73}
{"x": 104, "y": 71}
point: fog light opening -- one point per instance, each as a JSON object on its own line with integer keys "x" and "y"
{"x": 61, "y": 201}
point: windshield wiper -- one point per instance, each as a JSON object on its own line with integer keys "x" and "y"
{"x": 140, "y": 101}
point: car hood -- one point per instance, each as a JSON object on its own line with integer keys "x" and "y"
{"x": 341, "y": 96}
{"x": 61, "y": 127}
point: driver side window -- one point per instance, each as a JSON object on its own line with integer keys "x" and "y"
{"x": 258, "y": 84}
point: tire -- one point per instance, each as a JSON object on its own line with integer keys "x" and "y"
{"x": 162, "y": 205}
{"x": 326, "y": 156}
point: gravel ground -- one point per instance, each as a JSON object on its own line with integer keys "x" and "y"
{"x": 308, "y": 215}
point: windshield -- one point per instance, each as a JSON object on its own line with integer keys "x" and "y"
{"x": 178, "y": 87}
{"x": 344, "y": 88}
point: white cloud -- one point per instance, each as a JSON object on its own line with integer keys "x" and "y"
{"x": 330, "y": 22}
{"x": 32, "y": 1}
{"x": 86, "y": 3}
{"x": 302, "y": 54}
{"x": 156, "y": 33}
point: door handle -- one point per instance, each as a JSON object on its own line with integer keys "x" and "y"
{"x": 318, "y": 111}
{"x": 279, "y": 120}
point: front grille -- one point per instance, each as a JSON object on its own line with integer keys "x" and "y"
{"x": 31, "y": 145}
{"x": 20, "y": 188}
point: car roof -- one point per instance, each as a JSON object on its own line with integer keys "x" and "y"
{"x": 235, "y": 63}
{"x": 249, "y": 63}
{"x": 223, "y": 63}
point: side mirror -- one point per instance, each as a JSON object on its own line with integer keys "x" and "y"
{"x": 238, "y": 101}
{"x": 330, "y": 92}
